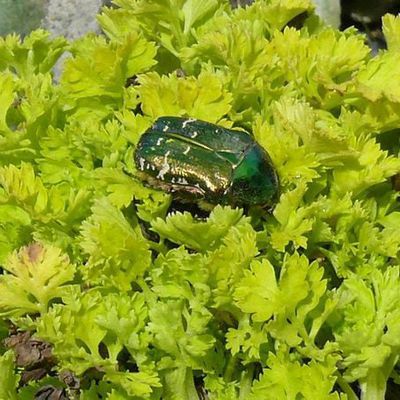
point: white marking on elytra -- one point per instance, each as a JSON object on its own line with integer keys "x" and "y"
{"x": 194, "y": 134}
{"x": 188, "y": 121}
{"x": 165, "y": 167}
{"x": 159, "y": 141}
{"x": 182, "y": 181}
{"x": 141, "y": 163}
{"x": 187, "y": 150}
{"x": 148, "y": 166}
{"x": 165, "y": 128}
{"x": 173, "y": 180}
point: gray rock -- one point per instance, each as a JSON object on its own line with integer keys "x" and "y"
{"x": 72, "y": 18}
{"x": 329, "y": 11}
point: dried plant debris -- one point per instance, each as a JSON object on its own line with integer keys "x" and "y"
{"x": 33, "y": 356}
{"x": 51, "y": 393}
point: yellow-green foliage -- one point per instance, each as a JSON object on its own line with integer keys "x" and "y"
{"x": 299, "y": 303}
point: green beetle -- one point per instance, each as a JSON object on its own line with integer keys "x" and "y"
{"x": 198, "y": 160}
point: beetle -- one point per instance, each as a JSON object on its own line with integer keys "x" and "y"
{"x": 200, "y": 161}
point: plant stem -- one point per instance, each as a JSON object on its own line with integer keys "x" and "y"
{"x": 230, "y": 367}
{"x": 373, "y": 386}
{"x": 246, "y": 382}
{"x": 346, "y": 388}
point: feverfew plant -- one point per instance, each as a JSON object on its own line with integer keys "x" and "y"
{"x": 137, "y": 302}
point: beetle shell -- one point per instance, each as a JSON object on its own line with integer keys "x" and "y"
{"x": 198, "y": 160}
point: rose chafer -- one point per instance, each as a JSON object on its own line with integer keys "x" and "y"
{"x": 198, "y": 160}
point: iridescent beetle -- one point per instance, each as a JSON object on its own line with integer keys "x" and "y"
{"x": 197, "y": 160}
